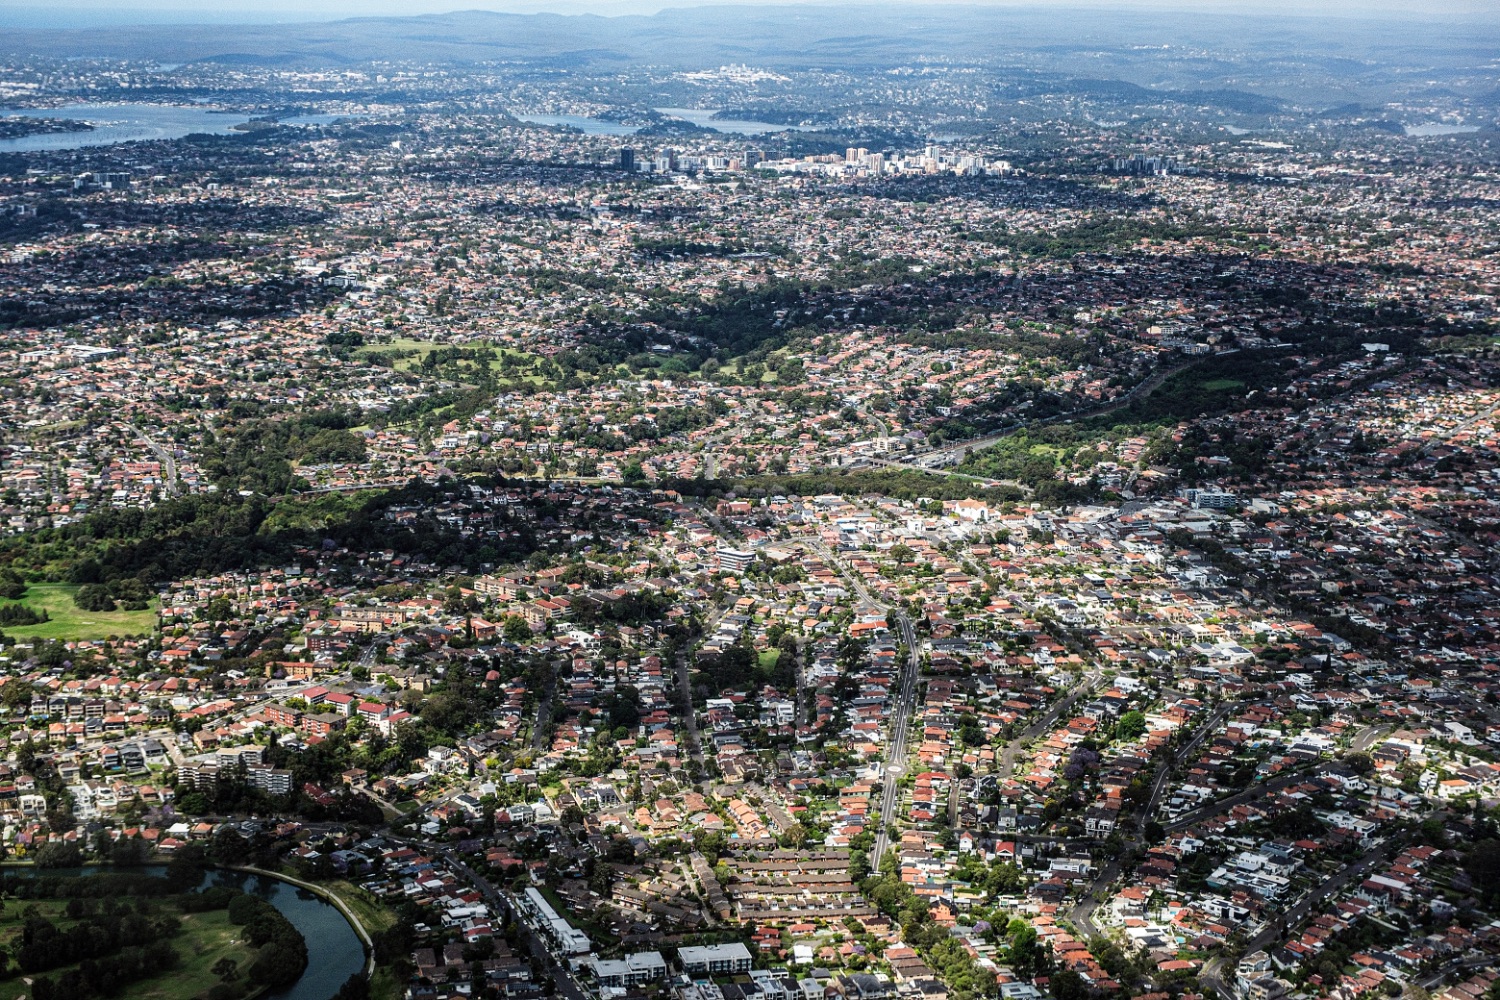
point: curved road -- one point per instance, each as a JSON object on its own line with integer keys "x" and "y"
{"x": 331, "y": 897}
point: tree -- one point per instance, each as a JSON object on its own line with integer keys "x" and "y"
{"x": 1066, "y": 984}
{"x": 226, "y": 969}
{"x": 515, "y": 629}
{"x": 58, "y": 854}
{"x": 1483, "y": 867}
{"x": 16, "y": 693}
{"x": 94, "y": 597}
{"x": 1131, "y": 725}
{"x": 356, "y": 987}
{"x": 1025, "y": 952}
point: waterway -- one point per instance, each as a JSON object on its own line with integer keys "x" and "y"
{"x": 698, "y": 116}
{"x": 1440, "y": 129}
{"x": 740, "y": 126}
{"x": 334, "y": 951}
{"x": 588, "y": 126}
{"x": 116, "y": 123}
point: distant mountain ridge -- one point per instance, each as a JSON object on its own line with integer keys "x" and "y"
{"x": 775, "y": 36}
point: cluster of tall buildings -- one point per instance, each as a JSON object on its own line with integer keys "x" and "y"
{"x": 855, "y": 162}
{"x": 1149, "y": 166}
{"x": 673, "y": 161}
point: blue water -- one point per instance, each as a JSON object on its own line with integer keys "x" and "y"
{"x": 116, "y": 123}
{"x": 589, "y": 126}
{"x": 1424, "y": 131}
{"x": 739, "y": 126}
{"x": 334, "y": 951}
{"x": 698, "y": 116}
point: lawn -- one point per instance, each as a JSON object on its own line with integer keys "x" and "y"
{"x": 69, "y": 621}
{"x": 409, "y": 353}
{"x": 365, "y": 905}
{"x": 559, "y": 905}
{"x": 385, "y": 986}
{"x": 1223, "y": 384}
{"x": 204, "y": 939}
{"x": 769, "y": 658}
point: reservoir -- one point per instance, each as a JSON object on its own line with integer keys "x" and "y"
{"x": 115, "y": 123}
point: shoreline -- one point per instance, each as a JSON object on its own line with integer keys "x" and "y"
{"x": 360, "y": 931}
{"x": 328, "y": 897}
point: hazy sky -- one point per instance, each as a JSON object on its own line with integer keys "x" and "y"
{"x": 63, "y": 13}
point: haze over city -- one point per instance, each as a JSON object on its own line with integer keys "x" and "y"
{"x": 757, "y": 501}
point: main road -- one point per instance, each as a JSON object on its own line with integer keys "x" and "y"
{"x": 905, "y": 702}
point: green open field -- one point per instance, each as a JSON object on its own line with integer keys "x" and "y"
{"x": 69, "y": 621}
{"x": 769, "y": 658}
{"x": 204, "y": 939}
{"x": 1223, "y": 384}
{"x": 410, "y": 352}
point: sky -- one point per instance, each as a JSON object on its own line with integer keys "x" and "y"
{"x": 93, "y": 13}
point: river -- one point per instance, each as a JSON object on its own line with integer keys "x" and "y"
{"x": 698, "y": 116}
{"x": 334, "y": 951}
{"x": 1439, "y": 128}
{"x": 116, "y": 123}
{"x": 588, "y": 126}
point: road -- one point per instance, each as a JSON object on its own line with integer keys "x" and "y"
{"x": 1220, "y": 806}
{"x": 1360, "y": 744}
{"x": 1213, "y": 973}
{"x": 168, "y": 462}
{"x": 905, "y": 701}
{"x": 504, "y": 903}
{"x": 957, "y": 450}
{"x": 1048, "y": 719}
{"x": 1083, "y": 913}
{"x": 685, "y": 689}
{"x": 685, "y": 706}
{"x": 542, "y": 728}
{"x": 900, "y": 731}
